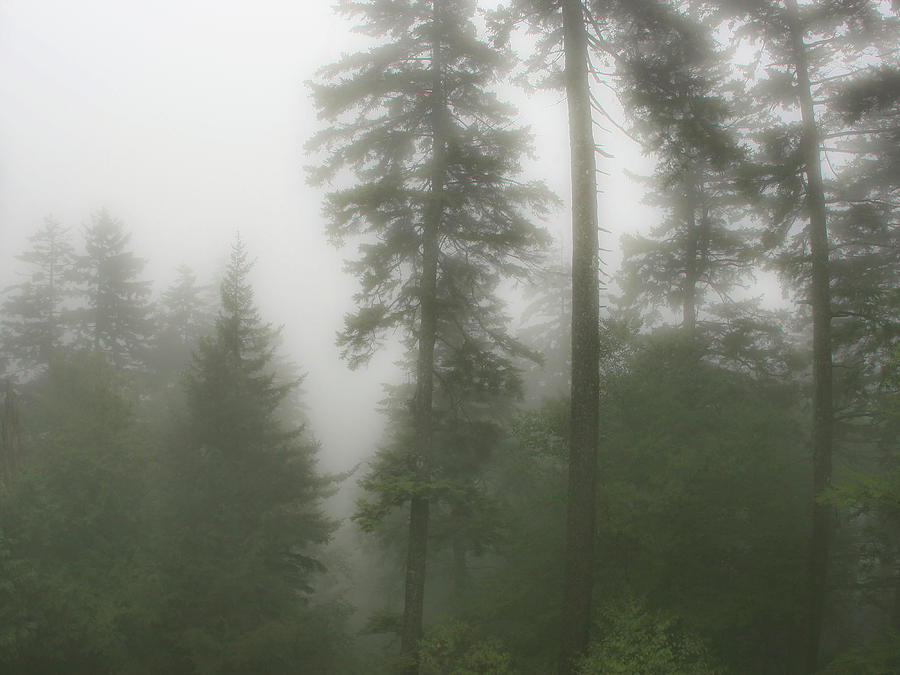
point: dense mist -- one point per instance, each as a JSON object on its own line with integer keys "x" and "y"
{"x": 443, "y": 336}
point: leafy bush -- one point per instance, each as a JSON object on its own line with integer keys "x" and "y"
{"x": 874, "y": 659}
{"x": 636, "y": 640}
{"x": 454, "y": 648}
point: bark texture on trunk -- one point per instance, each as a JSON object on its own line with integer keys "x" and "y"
{"x": 9, "y": 442}
{"x": 692, "y": 262}
{"x": 414, "y": 598}
{"x": 820, "y": 299}
{"x": 581, "y": 505}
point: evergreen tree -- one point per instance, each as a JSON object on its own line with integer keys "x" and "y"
{"x": 546, "y": 328}
{"x": 437, "y": 203}
{"x": 672, "y": 86}
{"x": 10, "y": 439}
{"x": 33, "y": 313}
{"x": 245, "y": 509}
{"x": 585, "y": 425}
{"x": 567, "y": 27}
{"x": 114, "y": 316}
{"x": 183, "y": 315}
{"x": 807, "y": 51}
{"x": 71, "y": 528}
{"x": 681, "y": 105}
{"x": 865, "y": 240}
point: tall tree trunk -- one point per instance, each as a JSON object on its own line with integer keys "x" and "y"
{"x": 581, "y": 505}
{"x": 895, "y": 609}
{"x": 460, "y": 568}
{"x": 414, "y": 600}
{"x": 820, "y": 298}
{"x": 691, "y": 268}
{"x": 9, "y": 441}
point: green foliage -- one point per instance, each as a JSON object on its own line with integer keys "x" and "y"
{"x": 517, "y": 599}
{"x": 880, "y": 658}
{"x": 636, "y": 640}
{"x": 33, "y": 322}
{"x": 241, "y": 522}
{"x": 700, "y": 510}
{"x": 73, "y": 528}
{"x": 183, "y": 316}
{"x": 455, "y": 648}
{"x": 384, "y": 118}
{"x": 383, "y": 621}
{"x": 114, "y": 317}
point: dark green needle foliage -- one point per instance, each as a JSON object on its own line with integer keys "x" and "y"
{"x": 34, "y": 318}
{"x": 673, "y": 87}
{"x": 808, "y": 54}
{"x": 440, "y": 214}
{"x": 71, "y": 528}
{"x": 113, "y": 316}
{"x": 381, "y": 109}
{"x": 866, "y": 239}
{"x": 700, "y": 514}
{"x": 245, "y": 517}
{"x": 183, "y": 316}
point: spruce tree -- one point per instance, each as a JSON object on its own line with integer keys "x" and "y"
{"x": 672, "y": 87}
{"x": 183, "y": 315}
{"x": 245, "y": 507}
{"x": 806, "y": 52}
{"x": 33, "y": 313}
{"x": 585, "y": 423}
{"x": 114, "y": 312}
{"x": 436, "y": 203}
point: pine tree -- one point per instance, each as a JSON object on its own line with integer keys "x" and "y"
{"x": 572, "y": 28}
{"x": 585, "y": 423}
{"x": 865, "y": 267}
{"x": 436, "y": 202}
{"x": 245, "y": 506}
{"x": 672, "y": 86}
{"x": 33, "y": 314}
{"x": 806, "y": 52}
{"x": 114, "y": 316}
{"x": 10, "y": 439}
{"x": 73, "y": 525}
{"x": 183, "y": 315}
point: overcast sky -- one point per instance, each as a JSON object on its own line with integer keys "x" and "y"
{"x": 186, "y": 119}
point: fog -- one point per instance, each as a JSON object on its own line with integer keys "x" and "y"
{"x": 188, "y": 124}
{"x": 696, "y": 473}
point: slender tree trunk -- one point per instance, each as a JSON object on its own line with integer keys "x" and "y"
{"x": 820, "y": 297}
{"x": 895, "y": 609}
{"x": 691, "y": 268}
{"x": 581, "y": 505}
{"x": 460, "y": 568}
{"x": 9, "y": 440}
{"x": 414, "y": 601}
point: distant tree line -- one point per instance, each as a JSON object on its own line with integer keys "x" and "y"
{"x": 165, "y": 511}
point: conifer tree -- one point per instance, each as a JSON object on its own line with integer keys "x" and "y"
{"x": 436, "y": 202}
{"x": 10, "y": 441}
{"x": 33, "y": 313}
{"x": 183, "y": 315}
{"x": 585, "y": 423}
{"x": 114, "y": 316}
{"x": 672, "y": 88}
{"x": 245, "y": 506}
{"x": 572, "y": 28}
{"x": 807, "y": 50}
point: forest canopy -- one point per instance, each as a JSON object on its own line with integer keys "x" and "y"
{"x": 676, "y": 452}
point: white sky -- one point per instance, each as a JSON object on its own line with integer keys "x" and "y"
{"x": 187, "y": 119}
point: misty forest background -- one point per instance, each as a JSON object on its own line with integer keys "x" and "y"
{"x": 708, "y": 483}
